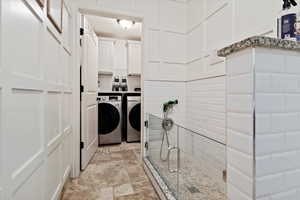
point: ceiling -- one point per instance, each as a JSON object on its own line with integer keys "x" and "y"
{"x": 108, "y": 27}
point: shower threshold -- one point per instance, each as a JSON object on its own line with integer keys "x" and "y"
{"x": 168, "y": 194}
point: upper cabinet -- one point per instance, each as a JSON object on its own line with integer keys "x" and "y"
{"x": 119, "y": 56}
{"x": 134, "y": 54}
{"x": 106, "y": 55}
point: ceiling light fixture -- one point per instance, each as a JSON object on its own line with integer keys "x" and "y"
{"x": 125, "y": 24}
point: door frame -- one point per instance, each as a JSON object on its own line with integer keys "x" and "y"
{"x": 76, "y": 83}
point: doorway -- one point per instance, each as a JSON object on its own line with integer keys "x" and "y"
{"x": 111, "y": 106}
{"x": 111, "y": 67}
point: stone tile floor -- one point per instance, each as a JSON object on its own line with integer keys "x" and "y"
{"x": 115, "y": 173}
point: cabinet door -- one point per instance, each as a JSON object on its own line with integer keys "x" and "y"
{"x": 121, "y": 55}
{"x": 134, "y": 58}
{"x": 106, "y": 55}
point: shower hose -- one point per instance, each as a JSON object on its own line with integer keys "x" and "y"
{"x": 167, "y": 125}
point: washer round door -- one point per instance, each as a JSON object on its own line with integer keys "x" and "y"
{"x": 135, "y": 117}
{"x": 109, "y": 118}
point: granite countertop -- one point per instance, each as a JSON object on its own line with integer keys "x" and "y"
{"x": 260, "y": 41}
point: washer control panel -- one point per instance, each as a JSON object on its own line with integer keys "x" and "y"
{"x": 109, "y": 98}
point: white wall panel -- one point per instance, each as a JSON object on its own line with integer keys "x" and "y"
{"x": 67, "y": 109}
{"x": 247, "y": 24}
{"x": 173, "y": 17}
{"x": 35, "y": 66}
{"x": 149, "y": 9}
{"x": 52, "y": 60}
{"x": 53, "y": 173}
{"x": 195, "y": 13}
{"x": 195, "y": 43}
{"x": 66, "y": 155}
{"x": 219, "y": 28}
{"x": 66, "y": 26}
{"x": 52, "y": 116}
{"x": 195, "y": 69}
{"x": 27, "y": 135}
{"x": 173, "y": 47}
{"x": 19, "y": 19}
{"x": 121, "y": 5}
{"x": 32, "y": 188}
{"x": 154, "y": 45}
{"x": 165, "y": 71}
{"x": 213, "y": 5}
{"x": 67, "y": 70}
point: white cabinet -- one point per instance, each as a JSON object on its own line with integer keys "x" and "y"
{"x": 120, "y": 57}
{"x": 134, "y": 58}
{"x": 121, "y": 54}
{"x": 106, "y": 55}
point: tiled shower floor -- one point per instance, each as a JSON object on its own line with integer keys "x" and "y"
{"x": 193, "y": 182}
{"x": 115, "y": 173}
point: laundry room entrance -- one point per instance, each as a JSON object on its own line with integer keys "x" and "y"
{"x": 111, "y": 60}
{"x": 110, "y": 108}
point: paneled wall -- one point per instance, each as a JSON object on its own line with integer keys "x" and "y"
{"x": 35, "y": 102}
{"x": 165, "y": 57}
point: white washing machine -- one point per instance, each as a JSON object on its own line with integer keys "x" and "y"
{"x": 133, "y": 119}
{"x": 110, "y": 119}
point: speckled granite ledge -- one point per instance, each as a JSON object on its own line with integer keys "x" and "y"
{"x": 260, "y": 41}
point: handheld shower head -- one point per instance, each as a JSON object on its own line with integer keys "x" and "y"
{"x": 293, "y": 2}
{"x": 287, "y": 4}
{"x": 168, "y": 105}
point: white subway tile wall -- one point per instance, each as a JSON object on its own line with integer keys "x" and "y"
{"x": 278, "y": 124}
{"x": 240, "y": 125}
{"x": 206, "y": 107}
{"x": 157, "y": 93}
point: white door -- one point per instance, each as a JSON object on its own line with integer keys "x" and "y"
{"x": 89, "y": 106}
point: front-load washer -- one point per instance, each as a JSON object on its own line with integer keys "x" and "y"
{"x": 110, "y": 120}
{"x": 133, "y": 119}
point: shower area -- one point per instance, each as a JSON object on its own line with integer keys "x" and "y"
{"x": 184, "y": 164}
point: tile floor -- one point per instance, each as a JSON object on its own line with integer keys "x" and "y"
{"x": 115, "y": 173}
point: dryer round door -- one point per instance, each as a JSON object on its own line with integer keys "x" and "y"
{"x": 109, "y": 118}
{"x": 135, "y": 117}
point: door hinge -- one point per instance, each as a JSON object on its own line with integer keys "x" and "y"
{"x": 81, "y": 145}
{"x": 81, "y": 31}
{"x": 81, "y": 88}
{"x": 80, "y": 42}
{"x": 224, "y": 173}
{"x": 146, "y": 124}
{"x": 146, "y": 145}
